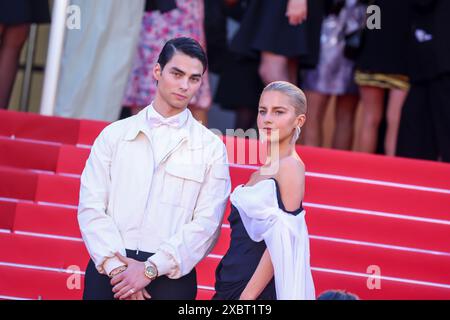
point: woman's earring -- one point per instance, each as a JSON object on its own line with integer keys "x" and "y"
{"x": 296, "y": 135}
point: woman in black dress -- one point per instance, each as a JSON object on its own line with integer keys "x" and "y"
{"x": 268, "y": 257}
{"x": 239, "y": 84}
{"x": 274, "y": 37}
{"x": 382, "y": 67}
{"x": 15, "y": 19}
{"x": 285, "y": 33}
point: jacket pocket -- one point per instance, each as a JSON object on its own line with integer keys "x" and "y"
{"x": 220, "y": 177}
{"x": 181, "y": 184}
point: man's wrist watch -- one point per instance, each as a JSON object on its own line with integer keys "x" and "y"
{"x": 150, "y": 270}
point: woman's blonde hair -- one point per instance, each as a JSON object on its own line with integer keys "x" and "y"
{"x": 294, "y": 93}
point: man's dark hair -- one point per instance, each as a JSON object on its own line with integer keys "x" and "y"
{"x": 337, "y": 295}
{"x": 187, "y": 46}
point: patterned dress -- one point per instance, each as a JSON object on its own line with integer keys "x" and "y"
{"x": 157, "y": 29}
{"x": 334, "y": 74}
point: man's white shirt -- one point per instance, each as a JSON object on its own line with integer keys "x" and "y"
{"x": 155, "y": 188}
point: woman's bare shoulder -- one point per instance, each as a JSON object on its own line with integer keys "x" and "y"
{"x": 291, "y": 167}
{"x": 291, "y": 179}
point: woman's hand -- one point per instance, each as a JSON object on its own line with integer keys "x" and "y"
{"x": 132, "y": 281}
{"x": 297, "y": 11}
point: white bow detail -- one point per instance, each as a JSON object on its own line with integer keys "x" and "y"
{"x": 157, "y": 121}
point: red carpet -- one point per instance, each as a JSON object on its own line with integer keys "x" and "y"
{"x": 362, "y": 210}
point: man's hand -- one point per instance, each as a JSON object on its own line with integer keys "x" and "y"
{"x": 131, "y": 282}
{"x": 141, "y": 295}
{"x": 297, "y": 11}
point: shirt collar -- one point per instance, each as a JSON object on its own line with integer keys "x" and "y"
{"x": 192, "y": 130}
{"x": 179, "y": 118}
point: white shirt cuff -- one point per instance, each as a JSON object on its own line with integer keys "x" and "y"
{"x": 165, "y": 264}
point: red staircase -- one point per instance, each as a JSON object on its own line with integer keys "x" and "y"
{"x": 362, "y": 210}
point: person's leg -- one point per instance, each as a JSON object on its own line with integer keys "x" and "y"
{"x": 13, "y": 38}
{"x": 312, "y": 130}
{"x": 372, "y": 112}
{"x": 2, "y": 28}
{"x": 440, "y": 102}
{"x": 345, "y": 121}
{"x": 416, "y": 136}
{"x": 184, "y": 288}
{"x": 273, "y": 67}
{"x": 96, "y": 286}
{"x": 293, "y": 70}
{"x": 394, "y": 110}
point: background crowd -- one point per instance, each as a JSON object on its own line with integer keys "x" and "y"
{"x": 383, "y": 65}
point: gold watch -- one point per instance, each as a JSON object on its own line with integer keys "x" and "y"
{"x": 150, "y": 270}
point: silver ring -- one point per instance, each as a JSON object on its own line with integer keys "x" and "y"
{"x": 131, "y": 290}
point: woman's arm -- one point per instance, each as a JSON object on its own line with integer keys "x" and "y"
{"x": 262, "y": 276}
{"x": 291, "y": 179}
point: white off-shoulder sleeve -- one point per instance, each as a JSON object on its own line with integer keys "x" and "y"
{"x": 286, "y": 238}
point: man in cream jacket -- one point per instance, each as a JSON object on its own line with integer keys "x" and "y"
{"x": 154, "y": 190}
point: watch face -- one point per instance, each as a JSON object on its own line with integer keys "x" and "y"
{"x": 150, "y": 270}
